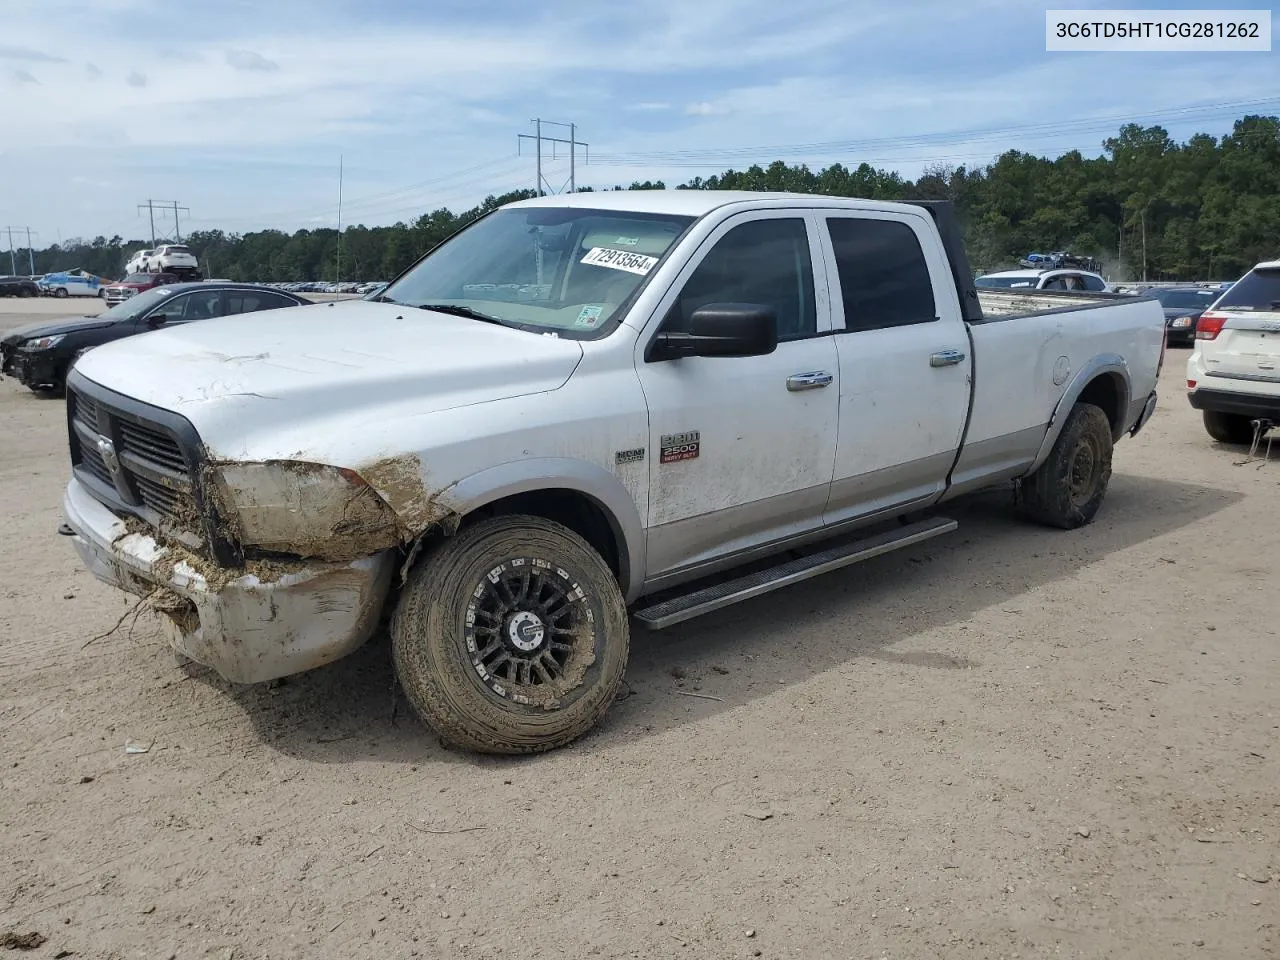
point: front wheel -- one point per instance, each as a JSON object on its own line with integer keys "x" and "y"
{"x": 1068, "y": 488}
{"x": 1228, "y": 427}
{"x": 511, "y": 637}
{"x": 60, "y": 292}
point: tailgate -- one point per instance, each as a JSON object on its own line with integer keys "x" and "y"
{"x": 1247, "y": 346}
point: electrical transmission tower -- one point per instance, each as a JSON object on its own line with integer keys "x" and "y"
{"x": 542, "y": 186}
{"x": 151, "y": 206}
{"x": 31, "y": 254}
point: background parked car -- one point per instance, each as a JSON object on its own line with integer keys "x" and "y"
{"x": 136, "y": 283}
{"x": 73, "y": 283}
{"x": 1045, "y": 280}
{"x": 1233, "y": 374}
{"x": 1182, "y": 308}
{"x": 19, "y": 287}
{"x": 40, "y": 355}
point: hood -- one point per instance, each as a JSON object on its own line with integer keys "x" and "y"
{"x": 261, "y": 385}
{"x": 49, "y": 328}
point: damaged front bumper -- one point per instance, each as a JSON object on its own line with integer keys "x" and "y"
{"x": 249, "y": 628}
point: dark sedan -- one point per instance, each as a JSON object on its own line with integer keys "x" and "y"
{"x": 39, "y": 355}
{"x": 1182, "y": 308}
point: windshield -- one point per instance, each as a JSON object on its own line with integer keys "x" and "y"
{"x": 1006, "y": 281}
{"x": 135, "y": 306}
{"x": 1192, "y": 299}
{"x": 1256, "y": 290}
{"x": 554, "y": 268}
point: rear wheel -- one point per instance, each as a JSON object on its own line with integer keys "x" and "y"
{"x": 511, "y": 637}
{"x": 60, "y": 292}
{"x": 24, "y": 292}
{"x": 1068, "y": 488}
{"x": 1228, "y": 427}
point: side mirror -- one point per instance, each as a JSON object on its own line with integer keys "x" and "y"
{"x": 722, "y": 330}
{"x": 157, "y": 320}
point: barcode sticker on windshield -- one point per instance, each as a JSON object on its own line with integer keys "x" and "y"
{"x": 620, "y": 260}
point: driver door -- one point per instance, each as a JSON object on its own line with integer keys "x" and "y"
{"x": 741, "y": 449}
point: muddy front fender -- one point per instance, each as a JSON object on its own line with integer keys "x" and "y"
{"x": 605, "y": 489}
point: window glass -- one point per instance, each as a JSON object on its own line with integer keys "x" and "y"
{"x": 1259, "y": 289}
{"x": 566, "y": 269}
{"x": 1096, "y": 284}
{"x": 884, "y": 279}
{"x": 193, "y": 306}
{"x": 764, "y": 262}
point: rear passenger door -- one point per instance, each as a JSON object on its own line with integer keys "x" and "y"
{"x": 253, "y": 301}
{"x": 904, "y": 362}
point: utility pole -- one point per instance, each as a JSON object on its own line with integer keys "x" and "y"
{"x": 542, "y": 187}
{"x": 152, "y": 211}
{"x": 31, "y": 254}
{"x": 1144, "y": 244}
{"x": 338, "y": 268}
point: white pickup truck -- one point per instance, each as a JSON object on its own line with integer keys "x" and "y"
{"x": 577, "y": 411}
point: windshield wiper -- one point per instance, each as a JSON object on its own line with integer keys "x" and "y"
{"x": 455, "y": 310}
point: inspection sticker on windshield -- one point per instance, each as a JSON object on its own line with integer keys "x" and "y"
{"x": 588, "y": 317}
{"x": 620, "y": 260}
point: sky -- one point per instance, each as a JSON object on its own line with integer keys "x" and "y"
{"x": 243, "y": 111}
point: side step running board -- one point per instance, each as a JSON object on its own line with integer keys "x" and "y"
{"x": 679, "y": 609}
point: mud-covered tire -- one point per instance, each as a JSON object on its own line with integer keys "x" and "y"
{"x": 1068, "y": 488}
{"x": 1228, "y": 427}
{"x": 452, "y": 610}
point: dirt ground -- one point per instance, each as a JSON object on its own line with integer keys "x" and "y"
{"x": 1008, "y": 742}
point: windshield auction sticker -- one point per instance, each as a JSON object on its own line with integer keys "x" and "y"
{"x": 620, "y": 260}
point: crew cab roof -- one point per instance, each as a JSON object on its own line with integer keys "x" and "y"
{"x": 697, "y": 203}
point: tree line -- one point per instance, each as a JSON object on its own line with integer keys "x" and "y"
{"x": 1148, "y": 208}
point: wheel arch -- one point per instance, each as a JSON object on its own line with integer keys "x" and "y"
{"x": 588, "y": 499}
{"x": 1105, "y": 382}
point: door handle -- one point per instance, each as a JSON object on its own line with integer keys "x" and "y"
{"x": 946, "y": 358}
{"x": 809, "y": 381}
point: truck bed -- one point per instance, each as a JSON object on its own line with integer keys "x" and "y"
{"x": 1003, "y": 304}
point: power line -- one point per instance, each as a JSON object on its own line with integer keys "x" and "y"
{"x": 1058, "y": 127}
{"x": 375, "y": 199}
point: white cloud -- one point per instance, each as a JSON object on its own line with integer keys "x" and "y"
{"x": 21, "y": 77}
{"x": 92, "y": 71}
{"x": 27, "y": 53}
{"x": 250, "y": 60}
{"x": 649, "y": 105}
{"x": 704, "y": 108}
{"x": 136, "y": 79}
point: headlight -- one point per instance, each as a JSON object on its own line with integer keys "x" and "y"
{"x": 304, "y": 509}
{"x": 1181, "y": 322}
{"x": 44, "y": 343}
